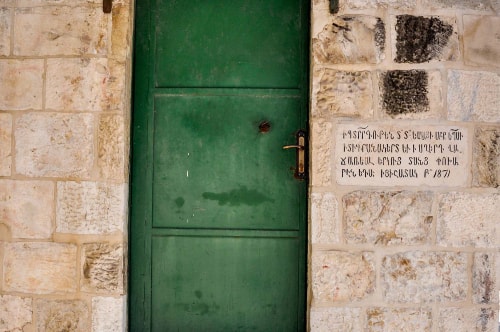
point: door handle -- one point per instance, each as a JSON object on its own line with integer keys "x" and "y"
{"x": 300, "y": 167}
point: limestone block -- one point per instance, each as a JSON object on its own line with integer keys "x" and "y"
{"x": 407, "y": 319}
{"x": 60, "y": 30}
{"x": 466, "y": 219}
{"x": 483, "y": 5}
{"x": 484, "y": 288}
{"x": 62, "y": 315}
{"x": 424, "y": 277}
{"x": 335, "y": 319}
{"x": 473, "y": 96}
{"x": 421, "y": 39}
{"x": 26, "y": 207}
{"x": 482, "y": 40}
{"x": 74, "y": 3}
{"x": 102, "y": 269}
{"x": 341, "y": 276}
{"x": 321, "y": 154}
{"x": 108, "y": 314}
{"x": 120, "y": 41}
{"x": 376, "y": 4}
{"x": 486, "y": 158}
{"x": 111, "y": 147}
{"x": 5, "y": 28}
{"x": 387, "y": 218}
{"x": 54, "y": 144}
{"x": 324, "y": 218}
{"x": 90, "y": 207}
{"x": 15, "y": 313}
{"x": 39, "y": 267}
{"x": 5, "y": 144}
{"x": 467, "y": 320}
{"x": 21, "y": 84}
{"x": 344, "y": 93}
{"x": 350, "y": 39}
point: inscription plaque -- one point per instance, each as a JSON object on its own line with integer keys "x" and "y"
{"x": 401, "y": 155}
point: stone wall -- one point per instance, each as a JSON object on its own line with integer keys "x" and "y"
{"x": 64, "y": 119}
{"x": 396, "y": 255}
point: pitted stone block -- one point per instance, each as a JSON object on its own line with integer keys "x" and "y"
{"x": 336, "y": 319}
{"x": 321, "y": 172}
{"x": 467, "y": 320}
{"x": 62, "y": 315}
{"x": 21, "y": 84}
{"x": 375, "y": 4}
{"x": 324, "y": 213}
{"x": 484, "y": 285}
{"x": 111, "y": 147}
{"x": 107, "y": 314}
{"x": 15, "y": 313}
{"x": 483, "y": 5}
{"x": 102, "y": 270}
{"x": 379, "y": 319}
{"x": 486, "y": 158}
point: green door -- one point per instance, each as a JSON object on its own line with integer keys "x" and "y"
{"x": 218, "y": 221}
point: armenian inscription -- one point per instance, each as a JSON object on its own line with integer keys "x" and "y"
{"x": 383, "y": 155}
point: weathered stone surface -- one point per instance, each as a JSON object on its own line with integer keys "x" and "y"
{"x": 108, "y": 314}
{"x": 73, "y": 3}
{"x": 457, "y": 4}
{"x": 369, "y": 4}
{"x": 408, "y": 319}
{"x": 424, "y": 277}
{"x": 387, "y": 218}
{"x": 422, "y": 39}
{"x": 69, "y": 315}
{"x": 120, "y": 41}
{"x": 26, "y": 207}
{"x": 5, "y": 144}
{"x": 102, "y": 269}
{"x": 324, "y": 216}
{"x": 482, "y": 40}
{"x": 21, "y": 84}
{"x": 39, "y": 267}
{"x": 341, "y": 276}
{"x": 343, "y": 93}
{"x": 473, "y": 96}
{"x": 111, "y": 147}
{"x": 350, "y": 39}
{"x": 486, "y": 158}
{"x": 54, "y": 144}
{"x": 15, "y": 313}
{"x": 467, "y": 320}
{"x": 484, "y": 288}
{"x": 90, "y": 207}
{"x": 466, "y": 219}
{"x": 335, "y": 319}
{"x": 60, "y": 30}
{"x": 5, "y": 26}
{"x": 321, "y": 174}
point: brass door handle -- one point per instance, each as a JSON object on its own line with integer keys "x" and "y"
{"x": 293, "y": 147}
{"x": 300, "y": 169}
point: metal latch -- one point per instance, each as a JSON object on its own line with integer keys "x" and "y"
{"x": 300, "y": 169}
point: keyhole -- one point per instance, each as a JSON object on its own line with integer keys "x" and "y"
{"x": 264, "y": 127}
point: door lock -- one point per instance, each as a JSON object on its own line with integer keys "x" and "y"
{"x": 300, "y": 168}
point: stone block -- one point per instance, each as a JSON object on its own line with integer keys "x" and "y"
{"x": 21, "y": 84}
{"x": 62, "y": 315}
{"x": 421, "y": 39}
{"x": 15, "y": 313}
{"x": 342, "y": 276}
{"x": 102, "y": 269}
{"x": 54, "y": 144}
{"x": 424, "y": 277}
{"x": 121, "y": 28}
{"x": 405, "y": 319}
{"x": 60, "y": 30}
{"x": 350, "y": 39}
{"x": 388, "y": 218}
{"x": 473, "y": 96}
{"x": 335, "y": 319}
{"x": 467, "y": 219}
{"x": 108, "y": 314}
{"x": 26, "y": 208}
{"x": 324, "y": 218}
{"x": 484, "y": 288}
{"x": 90, "y": 207}
{"x": 321, "y": 154}
{"x": 5, "y": 28}
{"x": 486, "y": 158}
{"x": 111, "y": 147}
{"x": 5, "y": 144}
{"x": 467, "y": 320}
{"x": 39, "y": 267}
{"x": 481, "y": 40}
{"x": 73, "y": 3}
{"x": 376, "y": 4}
{"x": 483, "y": 5}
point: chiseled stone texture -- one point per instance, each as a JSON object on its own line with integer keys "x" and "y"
{"x": 386, "y": 218}
{"x": 62, "y": 315}
{"x": 324, "y": 213}
{"x": 335, "y": 319}
{"x": 406, "y": 319}
{"x": 26, "y": 207}
{"x": 482, "y": 5}
{"x": 102, "y": 267}
{"x": 482, "y": 40}
{"x": 39, "y": 267}
{"x": 21, "y": 84}
{"x": 5, "y": 26}
{"x": 54, "y": 144}
{"x": 5, "y": 144}
{"x": 111, "y": 147}
{"x": 370, "y": 4}
{"x": 484, "y": 288}
{"x": 473, "y": 96}
{"x": 342, "y": 276}
{"x": 90, "y": 207}
{"x": 467, "y": 320}
{"x": 486, "y": 158}
{"x": 321, "y": 174}
{"x": 60, "y": 30}
{"x": 15, "y": 313}
{"x": 350, "y": 39}
{"x": 344, "y": 93}
{"x": 468, "y": 219}
{"x": 424, "y": 277}
{"x": 108, "y": 313}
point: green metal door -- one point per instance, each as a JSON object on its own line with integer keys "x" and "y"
{"x": 218, "y": 221}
